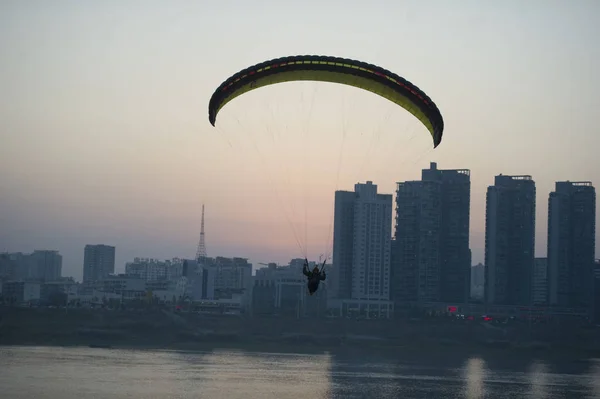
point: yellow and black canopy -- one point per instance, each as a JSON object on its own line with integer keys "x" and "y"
{"x": 335, "y": 70}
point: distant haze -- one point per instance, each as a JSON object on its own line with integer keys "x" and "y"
{"x": 105, "y": 136}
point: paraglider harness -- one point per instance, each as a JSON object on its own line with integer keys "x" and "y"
{"x": 314, "y": 277}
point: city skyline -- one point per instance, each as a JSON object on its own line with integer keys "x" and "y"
{"x": 428, "y": 259}
{"x": 105, "y": 137}
{"x": 429, "y": 176}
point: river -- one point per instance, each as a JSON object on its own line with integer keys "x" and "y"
{"x": 76, "y": 373}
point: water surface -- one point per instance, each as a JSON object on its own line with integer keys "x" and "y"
{"x": 75, "y": 373}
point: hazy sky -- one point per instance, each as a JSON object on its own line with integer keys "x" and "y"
{"x": 105, "y": 136}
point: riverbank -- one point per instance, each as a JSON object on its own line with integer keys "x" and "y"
{"x": 190, "y": 332}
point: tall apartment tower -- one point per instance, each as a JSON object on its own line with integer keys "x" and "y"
{"x": 416, "y": 247}
{"x": 455, "y": 255}
{"x": 571, "y": 244}
{"x": 540, "y": 282}
{"x": 431, "y": 259}
{"x": 45, "y": 265}
{"x": 98, "y": 262}
{"x": 510, "y": 240}
{"x": 361, "y": 243}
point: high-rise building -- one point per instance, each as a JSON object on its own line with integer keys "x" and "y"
{"x": 416, "y": 247}
{"x": 431, "y": 255}
{"x": 45, "y": 265}
{"x": 478, "y": 274}
{"x": 340, "y": 283}
{"x": 477, "y": 281}
{"x": 7, "y": 267}
{"x": 597, "y": 291}
{"x": 509, "y": 240}
{"x": 98, "y": 262}
{"x": 455, "y": 255}
{"x": 571, "y": 244}
{"x": 361, "y": 248}
{"x": 41, "y": 265}
{"x": 540, "y": 281}
{"x": 16, "y": 266}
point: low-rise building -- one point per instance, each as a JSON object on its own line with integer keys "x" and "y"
{"x": 20, "y": 292}
{"x": 282, "y": 291}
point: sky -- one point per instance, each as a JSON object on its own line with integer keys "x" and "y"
{"x": 106, "y": 140}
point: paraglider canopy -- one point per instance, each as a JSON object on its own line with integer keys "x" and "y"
{"x": 392, "y": 92}
{"x": 335, "y": 70}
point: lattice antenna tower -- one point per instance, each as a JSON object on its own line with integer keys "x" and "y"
{"x": 201, "y": 251}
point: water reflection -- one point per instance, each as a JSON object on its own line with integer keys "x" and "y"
{"x": 247, "y": 374}
{"x": 474, "y": 375}
{"x": 539, "y": 380}
{"x": 50, "y": 372}
{"x": 594, "y": 378}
